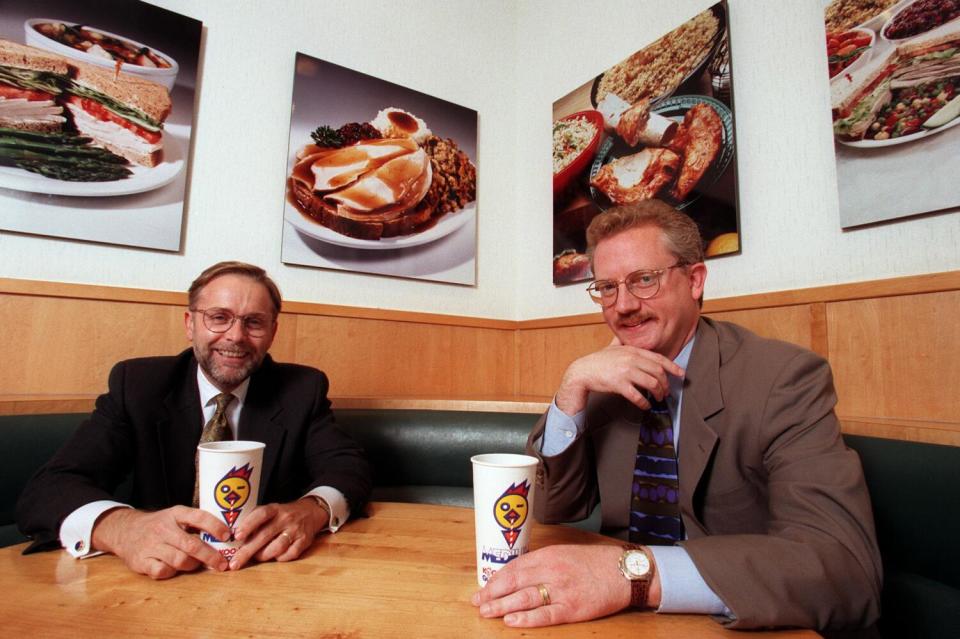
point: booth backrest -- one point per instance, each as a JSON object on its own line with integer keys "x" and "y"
{"x": 28, "y": 442}
{"x": 424, "y": 456}
{"x": 417, "y": 455}
{"x": 915, "y": 490}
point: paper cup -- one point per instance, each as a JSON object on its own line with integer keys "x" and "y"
{"x": 503, "y": 504}
{"x": 229, "y": 483}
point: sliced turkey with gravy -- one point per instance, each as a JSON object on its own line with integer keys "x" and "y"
{"x": 388, "y": 192}
{"x": 333, "y": 169}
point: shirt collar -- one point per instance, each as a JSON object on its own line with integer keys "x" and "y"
{"x": 676, "y": 383}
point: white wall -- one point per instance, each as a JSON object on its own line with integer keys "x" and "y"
{"x": 509, "y": 61}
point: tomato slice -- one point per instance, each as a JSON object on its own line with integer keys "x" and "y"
{"x": 11, "y": 93}
{"x": 103, "y": 114}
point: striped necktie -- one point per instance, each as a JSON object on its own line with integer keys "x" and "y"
{"x": 655, "y": 501}
{"x": 215, "y": 430}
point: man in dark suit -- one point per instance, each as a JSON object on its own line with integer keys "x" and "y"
{"x": 149, "y": 422}
{"x": 768, "y": 508}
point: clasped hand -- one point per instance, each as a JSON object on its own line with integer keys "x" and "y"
{"x": 624, "y": 370}
{"x": 160, "y": 544}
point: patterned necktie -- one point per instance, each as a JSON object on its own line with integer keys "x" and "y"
{"x": 215, "y": 430}
{"x": 655, "y": 503}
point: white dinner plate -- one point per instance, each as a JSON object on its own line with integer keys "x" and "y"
{"x": 447, "y": 225}
{"x": 142, "y": 178}
{"x": 919, "y": 135}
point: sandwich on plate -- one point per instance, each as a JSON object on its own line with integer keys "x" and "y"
{"x": 856, "y": 98}
{"x": 30, "y": 83}
{"x": 929, "y": 57}
{"x": 119, "y": 111}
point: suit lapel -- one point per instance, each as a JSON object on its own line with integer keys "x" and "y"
{"x": 178, "y": 432}
{"x": 617, "y": 452}
{"x": 260, "y": 421}
{"x": 702, "y": 398}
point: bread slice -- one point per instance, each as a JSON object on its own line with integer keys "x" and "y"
{"x": 148, "y": 97}
{"x": 22, "y": 56}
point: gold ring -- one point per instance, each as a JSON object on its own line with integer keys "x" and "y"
{"x": 284, "y": 533}
{"x": 544, "y": 594}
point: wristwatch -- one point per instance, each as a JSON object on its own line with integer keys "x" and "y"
{"x": 637, "y": 565}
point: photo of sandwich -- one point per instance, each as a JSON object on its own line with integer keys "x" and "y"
{"x": 657, "y": 125}
{"x": 96, "y": 120}
{"x": 116, "y": 112}
{"x": 895, "y": 111}
{"x": 380, "y": 178}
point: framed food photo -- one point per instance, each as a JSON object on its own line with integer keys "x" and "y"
{"x": 894, "y": 73}
{"x": 658, "y": 124}
{"x": 96, "y": 120}
{"x": 380, "y": 178}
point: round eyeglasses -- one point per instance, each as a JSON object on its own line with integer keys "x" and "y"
{"x": 642, "y": 284}
{"x": 220, "y": 320}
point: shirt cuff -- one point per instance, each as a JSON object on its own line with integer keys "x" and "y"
{"x": 336, "y": 502}
{"x": 76, "y": 530}
{"x": 682, "y": 588}
{"x": 560, "y": 430}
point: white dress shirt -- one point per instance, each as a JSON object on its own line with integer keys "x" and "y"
{"x": 77, "y": 528}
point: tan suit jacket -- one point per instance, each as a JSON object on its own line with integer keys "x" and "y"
{"x": 775, "y": 507}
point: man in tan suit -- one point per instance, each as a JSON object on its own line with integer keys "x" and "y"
{"x": 775, "y": 526}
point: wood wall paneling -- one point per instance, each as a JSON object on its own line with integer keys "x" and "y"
{"x": 67, "y": 346}
{"x": 543, "y": 354}
{"x": 380, "y": 358}
{"x": 893, "y": 346}
{"x": 897, "y": 357}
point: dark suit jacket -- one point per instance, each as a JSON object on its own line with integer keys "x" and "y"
{"x": 775, "y": 506}
{"x": 149, "y": 424}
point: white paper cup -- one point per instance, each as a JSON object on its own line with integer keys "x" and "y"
{"x": 229, "y": 482}
{"x": 503, "y": 486}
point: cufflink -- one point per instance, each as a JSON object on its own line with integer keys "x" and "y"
{"x": 79, "y": 546}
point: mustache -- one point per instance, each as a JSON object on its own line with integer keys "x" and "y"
{"x": 634, "y": 318}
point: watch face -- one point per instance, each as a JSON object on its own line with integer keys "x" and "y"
{"x": 637, "y": 563}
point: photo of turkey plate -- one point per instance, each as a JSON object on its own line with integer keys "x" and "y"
{"x": 673, "y": 108}
{"x": 142, "y": 178}
{"x": 446, "y": 225}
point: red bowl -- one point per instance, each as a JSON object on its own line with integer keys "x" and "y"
{"x": 583, "y": 160}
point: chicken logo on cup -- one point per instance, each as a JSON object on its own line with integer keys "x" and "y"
{"x": 232, "y": 492}
{"x": 510, "y": 511}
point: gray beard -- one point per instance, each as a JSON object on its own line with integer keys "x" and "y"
{"x": 225, "y": 379}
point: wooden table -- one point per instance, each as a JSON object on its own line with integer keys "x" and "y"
{"x": 406, "y": 571}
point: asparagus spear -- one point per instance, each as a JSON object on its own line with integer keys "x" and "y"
{"x": 60, "y": 156}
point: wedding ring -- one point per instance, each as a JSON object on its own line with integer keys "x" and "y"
{"x": 284, "y": 533}
{"x": 544, "y": 594}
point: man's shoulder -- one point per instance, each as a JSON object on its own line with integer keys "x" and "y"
{"x": 155, "y": 365}
{"x": 736, "y": 341}
{"x": 286, "y": 375}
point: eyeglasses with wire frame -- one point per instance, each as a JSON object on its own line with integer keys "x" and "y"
{"x": 221, "y": 320}
{"x": 642, "y": 284}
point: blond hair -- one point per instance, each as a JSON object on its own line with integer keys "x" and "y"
{"x": 680, "y": 232}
